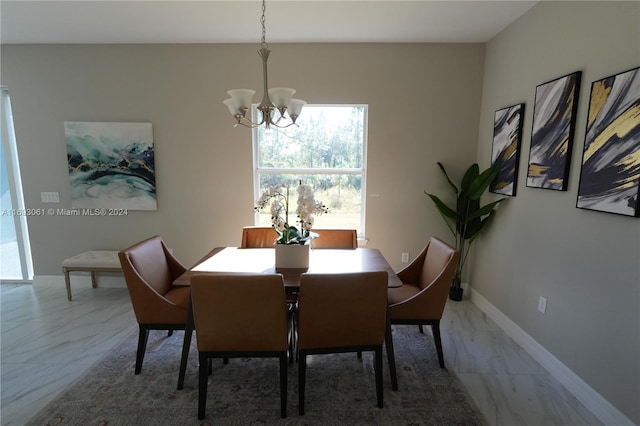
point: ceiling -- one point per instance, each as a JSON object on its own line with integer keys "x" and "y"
{"x": 238, "y": 21}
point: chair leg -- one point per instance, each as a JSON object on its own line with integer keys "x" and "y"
{"x": 391, "y": 357}
{"x": 170, "y": 333}
{"x": 292, "y": 337}
{"x": 302, "y": 370}
{"x": 359, "y": 354}
{"x": 202, "y": 385}
{"x": 435, "y": 327}
{"x": 143, "y": 335}
{"x": 420, "y": 328}
{"x": 378, "y": 373}
{"x": 283, "y": 385}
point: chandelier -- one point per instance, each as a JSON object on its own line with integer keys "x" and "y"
{"x": 277, "y": 98}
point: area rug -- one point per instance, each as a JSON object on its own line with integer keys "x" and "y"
{"x": 340, "y": 389}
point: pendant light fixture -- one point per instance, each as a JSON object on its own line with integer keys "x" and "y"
{"x": 277, "y": 98}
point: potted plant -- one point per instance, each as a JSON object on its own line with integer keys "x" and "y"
{"x": 289, "y": 236}
{"x": 467, "y": 218}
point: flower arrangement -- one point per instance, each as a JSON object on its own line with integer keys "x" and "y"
{"x": 307, "y": 207}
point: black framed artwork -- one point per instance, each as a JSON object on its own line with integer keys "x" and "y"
{"x": 505, "y": 152}
{"x": 554, "y": 118}
{"x": 610, "y": 172}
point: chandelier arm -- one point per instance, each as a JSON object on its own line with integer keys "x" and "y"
{"x": 242, "y": 115}
{"x": 279, "y": 118}
{"x": 250, "y": 126}
{"x": 247, "y": 122}
{"x": 280, "y": 126}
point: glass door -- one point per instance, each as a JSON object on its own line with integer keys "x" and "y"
{"x": 15, "y": 251}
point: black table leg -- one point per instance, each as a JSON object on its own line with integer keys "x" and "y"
{"x": 388, "y": 339}
{"x": 186, "y": 345}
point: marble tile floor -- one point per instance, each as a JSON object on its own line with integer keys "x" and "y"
{"x": 47, "y": 342}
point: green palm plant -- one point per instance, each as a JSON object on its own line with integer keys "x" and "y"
{"x": 467, "y": 218}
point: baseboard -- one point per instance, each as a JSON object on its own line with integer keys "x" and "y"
{"x": 82, "y": 279}
{"x": 596, "y": 403}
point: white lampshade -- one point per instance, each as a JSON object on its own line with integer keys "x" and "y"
{"x": 295, "y": 107}
{"x": 281, "y": 96}
{"x": 232, "y": 107}
{"x": 242, "y": 98}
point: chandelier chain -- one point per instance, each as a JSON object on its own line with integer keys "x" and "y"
{"x": 263, "y": 22}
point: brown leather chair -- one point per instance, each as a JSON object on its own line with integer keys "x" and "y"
{"x": 149, "y": 270}
{"x": 265, "y": 237}
{"x": 354, "y": 321}
{"x": 240, "y": 315}
{"x": 335, "y": 239}
{"x": 258, "y": 237}
{"x": 421, "y": 299}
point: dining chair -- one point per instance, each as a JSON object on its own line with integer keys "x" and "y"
{"x": 327, "y": 239}
{"x": 265, "y": 237}
{"x": 258, "y": 237}
{"x": 335, "y": 239}
{"x": 149, "y": 269}
{"x": 341, "y": 313}
{"x": 423, "y": 295}
{"x": 239, "y": 315}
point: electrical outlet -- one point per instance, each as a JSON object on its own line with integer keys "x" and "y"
{"x": 405, "y": 258}
{"x": 542, "y": 304}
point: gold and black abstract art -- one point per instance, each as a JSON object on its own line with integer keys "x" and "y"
{"x": 505, "y": 153}
{"x": 554, "y": 117}
{"x": 610, "y": 173}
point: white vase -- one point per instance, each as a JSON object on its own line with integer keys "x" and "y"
{"x": 292, "y": 256}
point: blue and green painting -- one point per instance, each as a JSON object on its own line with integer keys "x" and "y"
{"x": 111, "y": 165}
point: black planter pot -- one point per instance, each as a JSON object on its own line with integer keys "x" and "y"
{"x": 455, "y": 293}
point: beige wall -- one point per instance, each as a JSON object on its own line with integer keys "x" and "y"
{"x": 587, "y": 264}
{"x": 423, "y": 102}
{"x": 425, "y": 105}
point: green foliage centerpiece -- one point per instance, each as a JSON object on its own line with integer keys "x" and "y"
{"x": 467, "y": 218}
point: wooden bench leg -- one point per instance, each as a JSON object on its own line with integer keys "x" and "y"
{"x": 67, "y": 282}
{"x": 94, "y": 283}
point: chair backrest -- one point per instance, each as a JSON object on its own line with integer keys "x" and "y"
{"x": 239, "y": 312}
{"x": 335, "y": 239}
{"x": 440, "y": 263}
{"x": 149, "y": 270}
{"x": 147, "y": 261}
{"x": 342, "y": 310}
{"x": 258, "y": 237}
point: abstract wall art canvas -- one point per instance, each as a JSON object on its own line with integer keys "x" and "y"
{"x": 111, "y": 165}
{"x": 554, "y": 117}
{"x": 610, "y": 173}
{"x": 505, "y": 153}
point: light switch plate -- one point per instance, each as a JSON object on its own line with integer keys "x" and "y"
{"x": 542, "y": 305}
{"x": 50, "y": 197}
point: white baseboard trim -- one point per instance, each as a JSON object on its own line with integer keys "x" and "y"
{"x": 82, "y": 279}
{"x": 596, "y": 403}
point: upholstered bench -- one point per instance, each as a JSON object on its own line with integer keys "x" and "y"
{"x": 92, "y": 261}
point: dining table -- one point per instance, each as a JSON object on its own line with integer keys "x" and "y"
{"x": 262, "y": 261}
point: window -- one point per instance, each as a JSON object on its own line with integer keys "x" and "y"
{"x": 327, "y": 150}
{"x": 15, "y": 251}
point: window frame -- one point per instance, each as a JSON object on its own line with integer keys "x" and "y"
{"x": 257, "y": 171}
{"x": 10, "y": 156}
